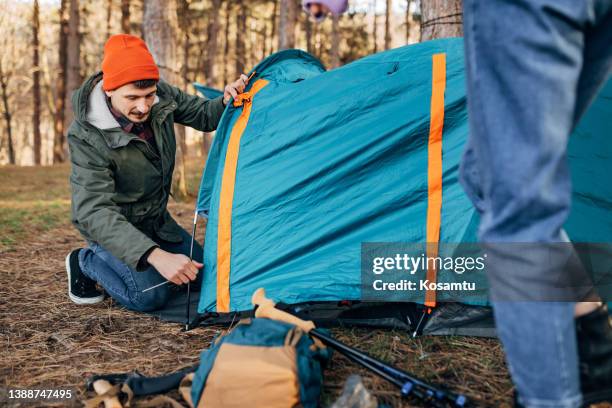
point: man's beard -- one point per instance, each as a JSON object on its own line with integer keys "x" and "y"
{"x": 137, "y": 116}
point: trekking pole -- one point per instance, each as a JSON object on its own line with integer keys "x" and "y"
{"x": 366, "y": 360}
{"x": 407, "y": 383}
{"x": 193, "y": 232}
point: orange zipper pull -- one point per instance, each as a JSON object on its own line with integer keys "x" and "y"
{"x": 244, "y": 97}
{"x": 241, "y": 99}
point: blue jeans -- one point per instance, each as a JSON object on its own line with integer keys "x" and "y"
{"x": 125, "y": 285}
{"x": 533, "y": 67}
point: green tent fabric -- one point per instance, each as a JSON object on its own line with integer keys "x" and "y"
{"x": 590, "y": 159}
{"x": 313, "y": 163}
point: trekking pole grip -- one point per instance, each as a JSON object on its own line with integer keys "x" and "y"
{"x": 266, "y": 309}
{"x": 102, "y": 387}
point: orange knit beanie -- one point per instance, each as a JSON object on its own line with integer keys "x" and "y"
{"x": 126, "y": 59}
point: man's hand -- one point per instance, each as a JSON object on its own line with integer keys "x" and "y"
{"x": 232, "y": 90}
{"x": 175, "y": 267}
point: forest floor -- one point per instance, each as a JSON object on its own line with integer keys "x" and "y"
{"x": 47, "y": 341}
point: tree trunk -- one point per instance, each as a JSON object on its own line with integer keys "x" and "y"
{"x": 73, "y": 73}
{"x": 186, "y": 28}
{"x": 212, "y": 42}
{"x": 388, "y": 25}
{"x": 36, "y": 100}
{"x": 206, "y": 143}
{"x": 252, "y": 25}
{"x": 408, "y": 21}
{"x": 240, "y": 52}
{"x": 47, "y": 85}
{"x": 308, "y": 31}
{"x": 160, "y": 24}
{"x": 375, "y": 29}
{"x": 109, "y": 17}
{"x": 286, "y": 26}
{"x": 266, "y": 36}
{"x": 180, "y": 180}
{"x": 228, "y": 13}
{"x": 7, "y": 114}
{"x": 59, "y": 141}
{"x": 274, "y": 18}
{"x": 316, "y": 36}
{"x": 440, "y": 19}
{"x": 86, "y": 35}
{"x": 335, "y": 43}
{"x": 185, "y": 23}
{"x": 125, "y": 16}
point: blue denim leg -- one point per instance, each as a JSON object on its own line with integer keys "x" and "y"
{"x": 524, "y": 72}
{"x": 124, "y": 284}
{"x": 539, "y": 341}
{"x": 532, "y": 67}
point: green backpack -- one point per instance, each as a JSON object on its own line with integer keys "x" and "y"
{"x": 260, "y": 363}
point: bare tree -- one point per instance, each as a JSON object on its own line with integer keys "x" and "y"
{"x": 212, "y": 44}
{"x": 185, "y": 22}
{"x": 388, "y": 25}
{"x": 316, "y": 36}
{"x": 308, "y": 32}
{"x": 408, "y": 20}
{"x": 228, "y": 13}
{"x": 274, "y": 24}
{"x": 375, "y": 27}
{"x": 440, "y": 19}
{"x": 47, "y": 82}
{"x": 160, "y": 25}
{"x": 36, "y": 100}
{"x": 4, "y": 78}
{"x": 59, "y": 140}
{"x": 265, "y": 34}
{"x": 286, "y": 26}
{"x": 109, "y": 16}
{"x": 73, "y": 72}
{"x": 240, "y": 53}
{"x": 125, "y": 16}
{"x": 335, "y": 43}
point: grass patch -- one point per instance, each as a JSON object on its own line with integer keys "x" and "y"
{"x": 20, "y": 219}
{"x": 32, "y": 200}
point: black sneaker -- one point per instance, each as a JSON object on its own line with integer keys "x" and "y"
{"x": 594, "y": 335}
{"x": 81, "y": 289}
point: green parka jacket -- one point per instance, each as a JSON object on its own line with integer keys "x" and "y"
{"x": 120, "y": 185}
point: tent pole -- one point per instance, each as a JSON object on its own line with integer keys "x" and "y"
{"x": 193, "y": 232}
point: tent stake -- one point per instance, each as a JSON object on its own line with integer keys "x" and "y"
{"x": 426, "y": 311}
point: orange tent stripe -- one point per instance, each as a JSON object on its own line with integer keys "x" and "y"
{"x": 224, "y": 231}
{"x": 434, "y": 168}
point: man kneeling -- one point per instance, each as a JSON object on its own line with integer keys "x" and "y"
{"x": 122, "y": 150}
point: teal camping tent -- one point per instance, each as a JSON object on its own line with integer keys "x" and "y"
{"x": 207, "y": 91}
{"x": 309, "y": 164}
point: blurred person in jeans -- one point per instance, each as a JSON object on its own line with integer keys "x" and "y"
{"x": 533, "y": 67}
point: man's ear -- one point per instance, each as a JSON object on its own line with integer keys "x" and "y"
{"x": 109, "y": 93}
